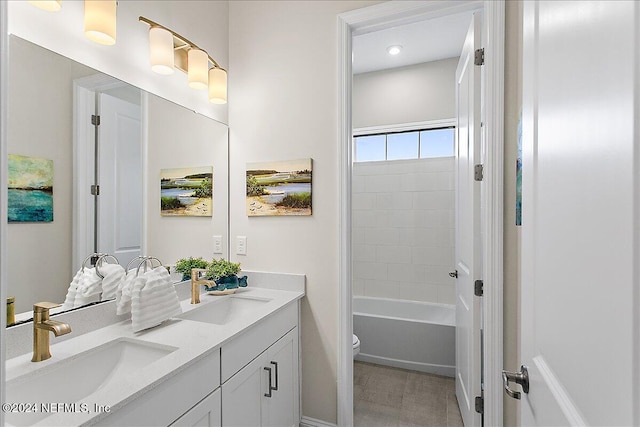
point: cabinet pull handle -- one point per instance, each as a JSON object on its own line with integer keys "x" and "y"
{"x": 277, "y": 376}
{"x": 270, "y": 388}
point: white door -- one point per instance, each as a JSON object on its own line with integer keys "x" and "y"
{"x": 120, "y": 179}
{"x": 580, "y": 330}
{"x": 468, "y": 255}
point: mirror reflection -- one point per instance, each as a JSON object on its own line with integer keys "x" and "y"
{"x": 86, "y": 157}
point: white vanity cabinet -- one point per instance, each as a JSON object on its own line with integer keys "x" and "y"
{"x": 265, "y": 392}
{"x": 174, "y": 398}
{"x": 204, "y": 414}
{"x": 260, "y": 374}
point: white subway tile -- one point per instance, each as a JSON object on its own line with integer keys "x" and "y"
{"x": 428, "y": 200}
{"x": 382, "y": 289}
{"x": 382, "y": 183}
{"x": 382, "y": 219}
{"x": 446, "y": 294}
{"x": 363, "y": 201}
{"x": 370, "y": 168}
{"x": 382, "y": 236}
{"x": 424, "y": 293}
{"x": 357, "y": 184}
{"x": 365, "y": 253}
{"x": 393, "y": 254}
{"x": 358, "y": 235}
{"x": 369, "y": 270}
{"x": 358, "y": 287}
{"x": 406, "y": 273}
{"x": 364, "y": 218}
{"x": 384, "y": 201}
{"x": 446, "y": 181}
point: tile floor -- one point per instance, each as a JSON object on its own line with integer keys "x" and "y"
{"x": 385, "y": 396}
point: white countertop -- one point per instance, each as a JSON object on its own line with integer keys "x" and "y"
{"x": 193, "y": 340}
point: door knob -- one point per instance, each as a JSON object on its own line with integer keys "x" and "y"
{"x": 521, "y": 378}
{"x": 454, "y": 274}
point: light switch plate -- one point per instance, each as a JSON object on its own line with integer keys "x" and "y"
{"x": 241, "y": 245}
{"x": 217, "y": 244}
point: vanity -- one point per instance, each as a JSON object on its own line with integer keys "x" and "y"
{"x": 230, "y": 360}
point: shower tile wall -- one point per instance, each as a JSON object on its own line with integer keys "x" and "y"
{"x": 403, "y": 229}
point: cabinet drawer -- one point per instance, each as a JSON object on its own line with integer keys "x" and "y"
{"x": 166, "y": 402}
{"x": 247, "y": 346}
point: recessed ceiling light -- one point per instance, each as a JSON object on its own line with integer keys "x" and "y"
{"x": 394, "y": 50}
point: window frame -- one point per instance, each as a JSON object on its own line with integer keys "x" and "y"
{"x": 401, "y": 128}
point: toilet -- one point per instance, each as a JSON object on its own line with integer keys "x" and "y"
{"x": 356, "y": 346}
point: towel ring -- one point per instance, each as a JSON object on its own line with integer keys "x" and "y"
{"x": 100, "y": 260}
{"x": 93, "y": 255}
{"x": 147, "y": 261}
{"x": 134, "y": 259}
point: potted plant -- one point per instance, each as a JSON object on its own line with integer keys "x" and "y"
{"x": 224, "y": 274}
{"x": 185, "y": 265}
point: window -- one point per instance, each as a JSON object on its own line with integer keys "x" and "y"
{"x": 422, "y": 144}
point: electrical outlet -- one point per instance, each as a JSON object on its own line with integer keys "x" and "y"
{"x": 217, "y": 244}
{"x": 241, "y": 245}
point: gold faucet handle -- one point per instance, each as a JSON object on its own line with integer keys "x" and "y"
{"x": 195, "y": 273}
{"x": 41, "y": 307}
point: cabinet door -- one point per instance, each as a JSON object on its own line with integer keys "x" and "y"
{"x": 243, "y": 401}
{"x": 283, "y": 406}
{"x": 205, "y": 414}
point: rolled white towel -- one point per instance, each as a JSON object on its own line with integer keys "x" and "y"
{"x": 153, "y": 299}
{"x": 88, "y": 288}
{"x": 123, "y": 293}
{"x": 70, "y": 298}
{"x": 112, "y": 276}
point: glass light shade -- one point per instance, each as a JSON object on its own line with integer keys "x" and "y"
{"x": 198, "y": 63}
{"x": 217, "y": 86}
{"x": 100, "y": 21}
{"x": 48, "y": 5}
{"x": 161, "y": 50}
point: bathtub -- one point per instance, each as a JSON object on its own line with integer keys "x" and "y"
{"x": 406, "y": 334}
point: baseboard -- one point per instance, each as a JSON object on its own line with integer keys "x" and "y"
{"x": 312, "y": 422}
{"x": 445, "y": 370}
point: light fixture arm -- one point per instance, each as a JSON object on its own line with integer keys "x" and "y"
{"x": 186, "y": 43}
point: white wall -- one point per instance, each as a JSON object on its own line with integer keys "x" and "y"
{"x": 40, "y": 125}
{"x": 403, "y": 229}
{"x": 203, "y": 22}
{"x": 283, "y": 91}
{"x": 404, "y": 95}
{"x": 179, "y": 138}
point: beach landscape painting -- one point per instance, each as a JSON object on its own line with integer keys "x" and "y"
{"x": 279, "y": 188}
{"x": 30, "y": 193}
{"x": 186, "y": 191}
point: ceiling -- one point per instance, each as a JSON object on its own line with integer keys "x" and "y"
{"x": 423, "y": 41}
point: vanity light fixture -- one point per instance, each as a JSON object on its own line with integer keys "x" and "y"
{"x": 48, "y": 5}
{"x": 169, "y": 49}
{"x": 100, "y": 21}
{"x": 394, "y": 50}
{"x": 161, "y": 50}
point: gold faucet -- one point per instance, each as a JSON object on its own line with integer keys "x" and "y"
{"x": 195, "y": 284}
{"x": 42, "y": 325}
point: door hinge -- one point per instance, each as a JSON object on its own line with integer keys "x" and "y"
{"x": 480, "y": 404}
{"x": 95, "y": 120}
{"x": 479, "y": 57}
{"x": 478, "y": 288}
{"x": 95, "y": 190}
{"x": 478, "y": 172}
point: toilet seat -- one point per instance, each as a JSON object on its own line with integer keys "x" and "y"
{"x": 356, "y": 345}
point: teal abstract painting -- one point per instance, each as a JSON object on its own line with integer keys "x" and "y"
{"x": 30, "y": 194}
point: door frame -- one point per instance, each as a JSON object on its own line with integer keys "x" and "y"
{"x": 84, "y": 101}
{"x": 386, "y": 15}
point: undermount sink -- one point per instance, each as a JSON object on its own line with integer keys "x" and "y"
{"x": 225, "y": 311}
{"x": 73, "y": 379}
